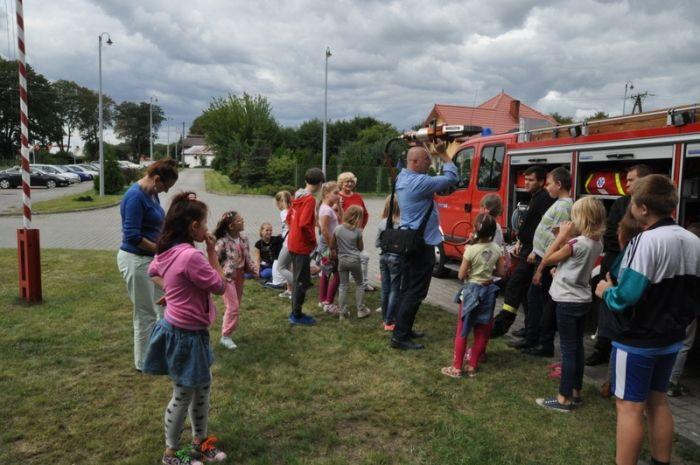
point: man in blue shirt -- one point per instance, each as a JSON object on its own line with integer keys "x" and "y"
{"x": 415, "y": 190}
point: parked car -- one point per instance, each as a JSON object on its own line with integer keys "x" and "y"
{"x": 71, "y": 177}
{"x": 127, "y": 165}
{"x": 13, "y": 178}
{"x": 91, "y": 168}
{"x": 84, "y": 175}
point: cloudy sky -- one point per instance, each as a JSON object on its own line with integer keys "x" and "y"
{"x": 391, "y": 60}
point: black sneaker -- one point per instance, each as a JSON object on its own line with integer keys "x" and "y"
{"x": 552, "y": 403}
{"x": 502, "y": 323}
{"x": 520, "y": 344}
{"x": 597, "y": 358}
{"x": 538, "y": 351}
{"x": 677, "y": 390}
{"x": 576, "y": 402}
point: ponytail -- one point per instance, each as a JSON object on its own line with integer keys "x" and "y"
{"x": 184, "y": 210}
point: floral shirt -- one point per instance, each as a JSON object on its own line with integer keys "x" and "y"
{"x": 234, "y": 255}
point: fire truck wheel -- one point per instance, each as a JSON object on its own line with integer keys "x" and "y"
{"x": 439, "y": 269}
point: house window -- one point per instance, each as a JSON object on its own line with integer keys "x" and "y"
{"x": 463, "y": 160}
{"x": 491, "y": 167}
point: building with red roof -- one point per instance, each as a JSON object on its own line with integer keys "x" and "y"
{"x": 501, "y": 113}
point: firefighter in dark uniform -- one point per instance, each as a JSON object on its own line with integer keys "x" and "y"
{"x": 519, "y": 281}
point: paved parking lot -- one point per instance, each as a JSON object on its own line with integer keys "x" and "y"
{"x": 100, "y": 230}
{"x": 11, "y": 199}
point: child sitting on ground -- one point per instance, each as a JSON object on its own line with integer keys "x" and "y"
{"x": 268, "y": 248}
{"x": 347, "y": 244}
{"x": 233, "y": 251}
{"x": 571, "y": 292}
{"x": 179, "y": 343}
{"x": 482, "y": 261}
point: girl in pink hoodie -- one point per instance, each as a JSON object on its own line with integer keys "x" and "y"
{"x": 179, "y": 344}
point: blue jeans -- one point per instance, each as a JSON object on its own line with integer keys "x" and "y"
{"x": 571, "y": 318}
{"x": 390, "y": 269}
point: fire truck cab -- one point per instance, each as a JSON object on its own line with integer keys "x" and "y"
{"x": 597, "y": 153}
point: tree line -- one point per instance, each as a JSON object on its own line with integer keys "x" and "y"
{"x": 253, "y": 149}
{"x": 60, "y": 109}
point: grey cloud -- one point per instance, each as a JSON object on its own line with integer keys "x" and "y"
{"x": 391, "y": 60}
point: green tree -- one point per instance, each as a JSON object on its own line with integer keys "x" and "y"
{"x": 131, "y": 123}
{"x": 562, "y": 119}
{"x": 254, "y": 167}
{"x": 69, "y": 109}
{"x": 114, "y": 178}
{"x": 233, "y": 124}
{"x": 89, "y": 121}
{"x": 597, "y": 115}
{"x": 44, "y": 124}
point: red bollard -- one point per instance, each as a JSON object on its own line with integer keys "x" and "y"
{"x": 29, "y": 259}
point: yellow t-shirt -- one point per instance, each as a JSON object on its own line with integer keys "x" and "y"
{"x": 482, "y": 258}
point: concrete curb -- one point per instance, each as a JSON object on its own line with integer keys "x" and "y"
{"x": 101, "y": 207}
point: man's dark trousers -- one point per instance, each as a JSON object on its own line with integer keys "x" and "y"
{"x": 301, "y": 266}
{"x": 415, "y": 281}
{"x": 519, "y": 283}
{"x": 541, "y": 325}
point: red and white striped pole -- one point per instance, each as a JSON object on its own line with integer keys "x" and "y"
{"x": 24, "y": 120}
{"x": 28, "y": 249}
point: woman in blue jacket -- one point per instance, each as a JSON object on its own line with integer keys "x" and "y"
{"x": 142, "y": 221}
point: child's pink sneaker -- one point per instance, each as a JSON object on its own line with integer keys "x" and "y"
{"x": 208, "y": 449}
{"x": 555, "y": 373}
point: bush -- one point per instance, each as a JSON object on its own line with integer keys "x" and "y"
{"x": 280, "y": 169}
{"x": 114, "y": 179}
{"x": 132, "y": 175}
{"x": 272, "y": 189}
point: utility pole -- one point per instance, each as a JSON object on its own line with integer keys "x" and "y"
{"x": 628, "y": 86}
{"x": 182, "y": 146}
{"x": 638, "y": 100}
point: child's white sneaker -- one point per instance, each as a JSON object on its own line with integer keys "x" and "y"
{"x": 228, "y": 343}
{"x": 363, "y": 312}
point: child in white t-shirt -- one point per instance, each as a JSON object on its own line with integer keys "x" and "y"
{"x": 571, "y": 291}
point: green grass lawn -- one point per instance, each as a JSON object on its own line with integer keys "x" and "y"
{"x": 218, "y": 183}
{"x": 73, "y": 202}
{"x": 331, "y": 394}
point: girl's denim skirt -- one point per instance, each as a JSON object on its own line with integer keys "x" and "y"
{"x": 185, "y": 356}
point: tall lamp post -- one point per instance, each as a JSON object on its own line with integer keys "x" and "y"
{"x": 99, "y": 106}
{"x": 167, "y": 150}
{"x": 325, "y": 113}
{"x": 150, "y": 124}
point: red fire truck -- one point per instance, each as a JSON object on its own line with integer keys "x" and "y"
{"x": 597, "y": 153}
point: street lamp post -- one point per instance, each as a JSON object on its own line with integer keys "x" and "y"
{"x": 99, "y": 106}
{"x": 325, "y": 113}
{"x": 150, "y": 124}
{"x": 167, "y": 150}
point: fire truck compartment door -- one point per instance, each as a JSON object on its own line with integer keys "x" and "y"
{"x": 627, "y": 154}
{"x": 541, "y": 159}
